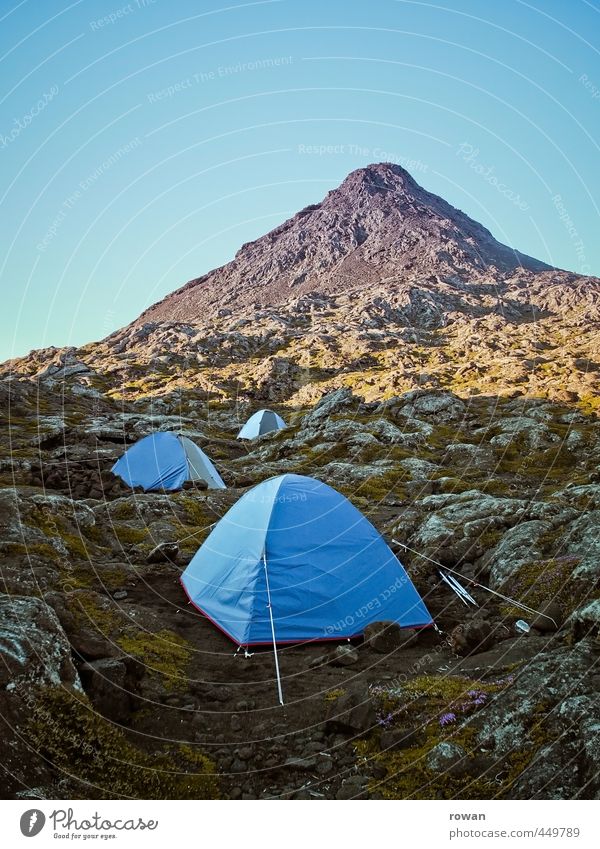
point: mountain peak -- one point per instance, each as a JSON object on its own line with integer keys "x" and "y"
{"x": 380, "y": 175}
{"x": 377, "y": 226}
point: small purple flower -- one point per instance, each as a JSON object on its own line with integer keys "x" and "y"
{"x": 386, "y": 720}
{"x": 447, "y": 719}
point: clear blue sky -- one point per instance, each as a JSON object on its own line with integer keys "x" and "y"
{"x": 142, "y": 143}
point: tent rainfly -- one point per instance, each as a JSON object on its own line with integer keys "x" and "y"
{"x": 165, "y": 461}
{"x": 296, "y": 541}
{"x": 294, "y": 560}
{"x": 264, "y": 421}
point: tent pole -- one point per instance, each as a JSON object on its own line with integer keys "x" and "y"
{"x": 279, "y": 690}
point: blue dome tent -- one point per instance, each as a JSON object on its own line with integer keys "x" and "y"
{"x": 264, "y": 421}
{"x": 294, "y": 560}
{"x": 166, "y": 461}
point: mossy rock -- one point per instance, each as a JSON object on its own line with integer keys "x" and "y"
{"x": 421, "y": 703}
{"x": 163, "y": 653}
{"x": 101, "y": 763}
{"x": 126, "y": 534}
{"x": 541, "y": 582}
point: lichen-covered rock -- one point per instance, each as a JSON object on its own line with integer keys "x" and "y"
{"x": 464, "y": 456}
{"x": 543, "y": 725}
{"x": 33, "y": 646}
{"x": 446, "y": 757}
{"x": 445, "y": 406}
{"x": 518, "y": 545}
{"x": 467, "y": 524}
{"x": 331, "y": 403}
{"x": 586, "y": 620}
{"x": 344, "y": 655}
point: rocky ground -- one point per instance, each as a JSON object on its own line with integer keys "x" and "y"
{"x": 449, "y": 386}
{"x": 113, "y": 685}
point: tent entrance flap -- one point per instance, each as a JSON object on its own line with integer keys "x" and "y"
{"x": 199, "y": 466}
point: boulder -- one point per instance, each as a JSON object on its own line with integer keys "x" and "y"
{"x": 472, "y": 637}
{"x": 164, "y": 552}
{"x": 104, "y": 682}
{"x": 86, "y": 640}
{"x": 394, "y": 739}
{"x": 352, "y": 713}
{"x": 547, "y": 715}
{"x": 510, "y": 653}
{"x": 551, "y": 621}
{"x": 353, "y": 787}
{"x": 33, "y": 646}
{"x": 344, "y": 655}
{"x": 518, "y": 546}
{"x": 445, "y": 406}
{"x": 330, "y": 404}
{"x": 385, "y": 637}
{"x": 466, "y": 456}
{"x": 586, "y": 620}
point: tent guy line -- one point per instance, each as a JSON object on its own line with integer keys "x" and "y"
{"x": 475, "y": 583}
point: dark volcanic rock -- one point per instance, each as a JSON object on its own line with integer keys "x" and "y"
{"x": 105, "y": 682}
{"x": 164, "y": 552}
{"x": 385, "y": 637}
{"x": 352, "y": 713}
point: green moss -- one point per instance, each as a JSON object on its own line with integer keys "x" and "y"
{"x": 379, "y": 487}
{"x": 543, "y": 581}
{"x": 126, "y": 534}
{"x": 112, "y": 579}
{"x": 333, "y": 695}
{"x": 419, "y": 704}
{"x": 76, "y": 578}
{"x": 554, "y": 464}
{"x": 194, "y": 511}
{"x": 123, "y": 510}
{"x": 519, "y": 760}
{"x": 89, "y": 612}
{"x": 97, "y": 534}
{"x": 58, "y": 527}
{"x": 75, "y": 545}
{"x": 34, "y": 549}
{"x": 589, "y": 403}
{"x": 86, "y": 748}
{"x": 164, "y": 652}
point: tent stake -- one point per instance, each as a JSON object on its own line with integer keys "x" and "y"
{"x": 279, "y": 690}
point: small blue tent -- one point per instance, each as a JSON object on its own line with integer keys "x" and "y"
{"x": 262, "y": 422}
{"x": 294, "y": 560}
{"x": 166, "y": 461}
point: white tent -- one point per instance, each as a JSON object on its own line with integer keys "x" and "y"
{"x": 265, "y": 421}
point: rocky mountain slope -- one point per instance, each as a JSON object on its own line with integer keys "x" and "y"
{"x": 448, "y": 386}
{"x": 378, "y": 227}
{"x": 382, "y": 287}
